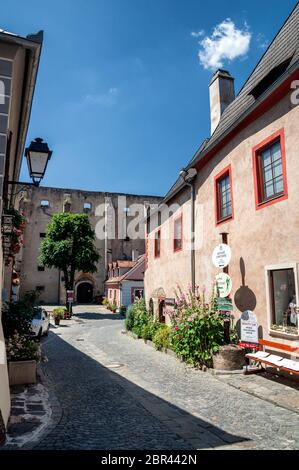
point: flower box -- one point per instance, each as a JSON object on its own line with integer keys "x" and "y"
{"x": 22, "y": 372}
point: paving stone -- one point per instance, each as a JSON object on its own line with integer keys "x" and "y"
{"x": 154, "y": 401}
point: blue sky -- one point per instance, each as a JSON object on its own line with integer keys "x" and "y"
{"x": 122, "y": 97}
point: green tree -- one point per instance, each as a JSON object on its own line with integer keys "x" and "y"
{"x": 69, "y": 246}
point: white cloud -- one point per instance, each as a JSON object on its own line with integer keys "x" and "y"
{"x": 197, "y": 34}
{"x": 262, "y": 41}
{"x": 104, "y": 99}
{"x": 227, "y": 42}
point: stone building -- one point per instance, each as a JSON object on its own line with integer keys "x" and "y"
{"x": 19, "y": 60}
{"x": 240, "y": 188}
{"x": 111, "y": 215}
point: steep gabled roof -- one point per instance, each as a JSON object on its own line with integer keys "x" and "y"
{"x": 284, "y": 50}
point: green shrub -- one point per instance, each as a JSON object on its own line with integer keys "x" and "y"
{"x": 137, "y": 318}
{"x": 130, "y": 315}
{"x": 17, "y": 316}
{"x": 161, "y": 338}
{"x": 149, "y": 330}
{"x": 197, "y": 328}
{"x": 59, "y": 313}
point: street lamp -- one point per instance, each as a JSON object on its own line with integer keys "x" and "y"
{"x": 37, "y": 154}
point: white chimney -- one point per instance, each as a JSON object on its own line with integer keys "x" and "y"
{"x": 222, "y": 94}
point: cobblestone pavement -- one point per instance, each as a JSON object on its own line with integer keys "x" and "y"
{"x": 118, "y": 393}
{"x": 30, "y": 416}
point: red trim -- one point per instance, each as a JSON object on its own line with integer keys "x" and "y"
{"x": 269, "y": 102}
{"x": 176, "y": 250}
{"x": 157, "y": 255}
{"x": 226, "y": 171}
{"x": 257, "y": 171}
{"x": 283, "y": 347}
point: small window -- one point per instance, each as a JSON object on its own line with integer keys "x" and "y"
{"x": 283, "y": 300}
{"x": 40, "y": 288}
{"x": 44, "y": 204}
{"x": 178, "y": 234}
{"x": 224, "y": 200}
{"x": 158, "y": 244}
{"x": 41, "y": 268}
{"x": 42, "y": 235}
{"x": 87, "y": 206}
{"x": 270, "y": 171}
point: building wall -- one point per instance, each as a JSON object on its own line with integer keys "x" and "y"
{"x": 109, "y": 249}
{"x": 127, "y": 286}
{"x": 268, "y": 236}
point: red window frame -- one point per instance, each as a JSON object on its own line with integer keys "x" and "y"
{"x": 227, "y": 171}
{"x": 175, "y": 240}
{"x": 157, "y": 253}
{"x": 260, "y": 200}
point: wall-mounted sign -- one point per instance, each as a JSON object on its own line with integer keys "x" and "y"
{"x": 221, "y": 256}
{"x": 249, "y": 327}
{"x": 170, "y": 302}
{"x": 224, "y": 305}
{"x": 224, "y": 285}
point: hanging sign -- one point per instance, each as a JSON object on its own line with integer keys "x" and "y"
{"x": 224, "y": 305}
{"x": 221, "y": 256}
{"x": 70, "y": 295}
{"x": 249, "y": 327}
{"x": 224, "y": 285}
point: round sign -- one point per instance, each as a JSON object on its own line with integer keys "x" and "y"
{"x": 224, "y": 285}
{"x": 221, "y": 256}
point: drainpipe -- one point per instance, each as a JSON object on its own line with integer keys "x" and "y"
{"x": 189, "y": 179}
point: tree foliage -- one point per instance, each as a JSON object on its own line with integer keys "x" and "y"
{"x": 69, "y": 246}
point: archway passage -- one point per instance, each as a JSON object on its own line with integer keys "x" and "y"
{"x": 84, "y": 293}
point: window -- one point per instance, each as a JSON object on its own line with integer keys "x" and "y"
{"x": 270, "y": 170}
{"x": 136, "y": 293}
{"x": 87, "y": 206}
{"x": 42, "y": 235}
{"x": 283, "y": 299}
{"x": 158, "y": 244}
{"x": 178, "y": 234}
{"x": 224, "y": 196}
{"x": 40, "y": 268}
{"x": 44, "y": 204}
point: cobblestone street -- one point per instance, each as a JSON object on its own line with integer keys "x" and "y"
{"x": 114, "y": 392}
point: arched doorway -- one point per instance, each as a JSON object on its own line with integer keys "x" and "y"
{"x": 85, "y": 293}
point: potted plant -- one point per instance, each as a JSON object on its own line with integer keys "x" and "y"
{"x": 58, "y": 314}
{"x": 22, "y": 355}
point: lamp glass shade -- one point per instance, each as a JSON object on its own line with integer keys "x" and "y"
{"x": 37, "y": 163}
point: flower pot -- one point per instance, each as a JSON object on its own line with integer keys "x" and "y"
{"x": 22, "y": 372}
{"x": 230, "y": 357}
{"x": 57, "y": 321}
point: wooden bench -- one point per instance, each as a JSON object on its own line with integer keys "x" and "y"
{"x": 275, "y": 361}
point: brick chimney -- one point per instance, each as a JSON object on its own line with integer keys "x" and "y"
{"x": 222, "y": 93}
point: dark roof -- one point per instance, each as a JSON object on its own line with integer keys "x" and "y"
{"x": 284, "y": 46}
